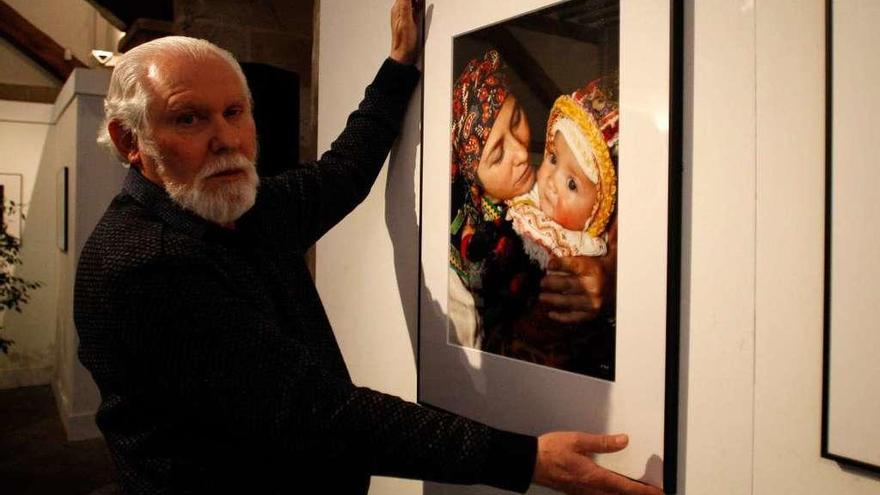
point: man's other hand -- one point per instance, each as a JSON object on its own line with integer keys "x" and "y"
{"x": 564, "y": 463}
{"x": 405, "y": 30}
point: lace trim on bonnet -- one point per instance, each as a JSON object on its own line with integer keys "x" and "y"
{"x": 543, "y": 238}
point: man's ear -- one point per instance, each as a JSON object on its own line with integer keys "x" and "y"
{"x": 125, "y": 141}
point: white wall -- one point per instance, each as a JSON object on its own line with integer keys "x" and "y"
{"x": 24, "y": 129}
{"x": 718, "y": 254}
{"x": 367, "y": 267}
{"x": 42, "y": 139}
{"x": 752, "y": 246}
{"x": 790, "y": 131}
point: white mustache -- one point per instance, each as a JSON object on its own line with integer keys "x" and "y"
{"x": 225, "y": 164}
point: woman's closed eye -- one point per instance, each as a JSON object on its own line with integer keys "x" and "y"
{"x": 516, "y": 117}
{"x": 495, "y": 155}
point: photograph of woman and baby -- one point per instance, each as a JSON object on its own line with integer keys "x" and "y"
{"x": 533, "y": 217}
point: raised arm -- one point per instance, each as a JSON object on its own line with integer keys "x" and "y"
{"x": 318, "y": 195}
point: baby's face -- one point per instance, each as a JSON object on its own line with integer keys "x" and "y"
{"x": 567, "y": 195}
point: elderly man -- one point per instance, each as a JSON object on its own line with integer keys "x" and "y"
{"x": 199, "y": 321}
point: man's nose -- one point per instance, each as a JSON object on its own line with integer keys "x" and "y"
{"x": 226, "y": 137}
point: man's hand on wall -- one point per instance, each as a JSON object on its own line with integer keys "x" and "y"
{"x": 405, "y": 30}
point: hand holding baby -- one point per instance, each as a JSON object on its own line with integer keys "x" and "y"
{"x": 574, "y": 289}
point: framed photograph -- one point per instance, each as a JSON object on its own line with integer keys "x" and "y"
{"x": 851, "y": 371}
{"x": 550, "y": 220}
{"x": 10, "y": 196}
{"x": 61, "y": 209}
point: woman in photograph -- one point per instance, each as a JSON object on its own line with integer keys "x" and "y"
{"x": 489, "y": 276}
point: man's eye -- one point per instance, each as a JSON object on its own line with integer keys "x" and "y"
{"x": 572, "y": 185}
{"x": 233, "y": 112}
{"x": 185, "y": 119}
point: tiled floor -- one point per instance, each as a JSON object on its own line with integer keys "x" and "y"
{"x": 35, "y": 456}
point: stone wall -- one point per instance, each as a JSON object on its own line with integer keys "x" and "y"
{"x": 274, "y": 32}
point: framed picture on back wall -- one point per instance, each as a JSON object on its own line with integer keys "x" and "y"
{"x": 10, "y": 190}
{"x": 551, "y": 257}
{"x": 851, "y": 398}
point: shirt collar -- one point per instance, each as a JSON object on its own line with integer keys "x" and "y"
{"x": 156, "y": 199}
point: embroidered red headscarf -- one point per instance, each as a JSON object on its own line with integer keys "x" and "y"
{"x": 477, "y": 97}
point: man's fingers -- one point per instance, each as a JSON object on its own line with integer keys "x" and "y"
{"x": 404, "y": 31}
{"x": 605, "y": 481}
{"x": 587, "y": 443}
{"x": 404, "y": 9}
{"x": 564, "y": 463}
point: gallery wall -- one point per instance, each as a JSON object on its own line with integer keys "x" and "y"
{"x": 790, "y": 130}
{"x": 25, "y": 129}
{"x": 752, "y": 246}
{"x": 367, "y": 267}
{"x": 44, "y": 139}
{"x": 33, "y": 136}
{"x": 718, "y": 253}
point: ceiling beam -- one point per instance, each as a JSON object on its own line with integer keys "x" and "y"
{"x": 24, "y": 92}
{"x": 35, "y": 43}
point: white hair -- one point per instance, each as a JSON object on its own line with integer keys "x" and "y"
{"x": 128, "y": 96}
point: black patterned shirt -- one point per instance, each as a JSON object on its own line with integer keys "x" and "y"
{"x": 217, "y": 365}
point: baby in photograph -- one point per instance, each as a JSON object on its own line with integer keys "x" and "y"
{"x": 569, "y": 208}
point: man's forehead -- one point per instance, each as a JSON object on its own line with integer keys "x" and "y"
{"x": 173, "y": 70}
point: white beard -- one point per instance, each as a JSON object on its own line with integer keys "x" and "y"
{"x": 219, "y": 202}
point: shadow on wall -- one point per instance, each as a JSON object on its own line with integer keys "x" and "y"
{"x": 401, "y": 211}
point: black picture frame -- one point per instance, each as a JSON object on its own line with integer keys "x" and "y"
{"x": 827, "y": 296}
{"x": 673, "y": 248}
{"x": 61, "y": 188}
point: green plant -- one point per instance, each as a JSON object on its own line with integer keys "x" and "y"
{"x": 14, "y": 290}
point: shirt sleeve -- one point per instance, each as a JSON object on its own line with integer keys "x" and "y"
{"x": 316, "y": 196}
{"x": 222, "y": 367}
